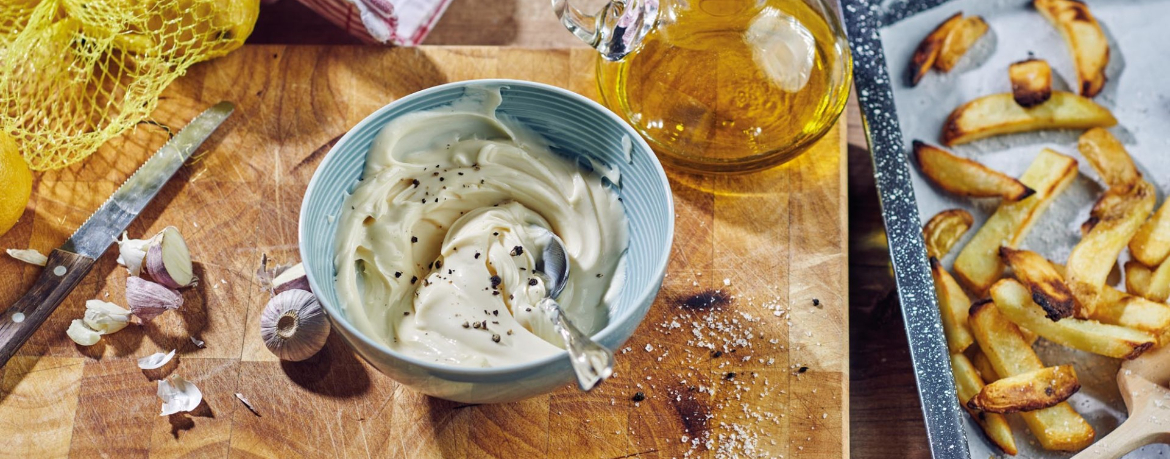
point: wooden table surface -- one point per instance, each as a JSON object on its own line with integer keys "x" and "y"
{"x": 758, "y": 259}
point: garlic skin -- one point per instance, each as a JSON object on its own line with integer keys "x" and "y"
{"x": 293, "y": 325}
{"x": 147, "y": 299}
{"x": 178, "y": 395}
{"x": 81, "y": 334}
{"x": 156, "y": 360}
{"x": 168, "y": 260}
{"x": 132, "y": 252}
{"x": 104, "y": 317}
{"x": 29, "y": 256}
{"x": 292, "y": 278}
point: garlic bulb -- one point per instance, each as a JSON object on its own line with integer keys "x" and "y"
{"x": 132, "y": 252}
{"x": 291, "y": 278}
{"x": 105, "y": 317}
{"x": 147, "y": 299}
{"x": 293, "y": 325}
{"x": 168, "y": 261}
{"x": 81, "y": 334}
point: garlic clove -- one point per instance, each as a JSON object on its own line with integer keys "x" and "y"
{"x": 147, "y": 299}
{"x": 29, "y": 256}
{"x": 168, "y": 261}
{"x": 178, "y": 395}
{"x": 131, "y": 253}
{"x": 293, "y": 325}
{"x": 291, "y": 278}
{"x": 82, "y": 334}
{"x": 104, "y": 317}
{"x": 156, "y": 360}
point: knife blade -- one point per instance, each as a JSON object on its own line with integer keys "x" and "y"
{"x": 69, "y": 264}
{"x": 102, "y": 228}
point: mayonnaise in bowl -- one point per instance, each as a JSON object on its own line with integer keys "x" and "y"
{"x": 435, "y": 246}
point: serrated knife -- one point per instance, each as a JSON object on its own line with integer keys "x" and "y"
{"x": 69, "y": 264}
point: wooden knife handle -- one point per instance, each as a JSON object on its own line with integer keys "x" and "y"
{"x": 63, "y": 271}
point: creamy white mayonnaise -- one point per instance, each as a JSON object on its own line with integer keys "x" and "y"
{"x": 435, "y": 246}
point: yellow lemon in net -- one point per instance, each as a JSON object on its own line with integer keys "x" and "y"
{"x": 15, "y": 183}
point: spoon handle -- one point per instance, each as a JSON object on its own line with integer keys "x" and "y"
{"x": 591, "y": 361}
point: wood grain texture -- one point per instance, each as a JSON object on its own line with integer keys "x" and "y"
{"x": 746, "y": 247}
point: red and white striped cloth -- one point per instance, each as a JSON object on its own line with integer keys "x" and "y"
{"x": 399, "y": 22}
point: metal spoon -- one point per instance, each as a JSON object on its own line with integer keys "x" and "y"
{"x": 591, "y": 361}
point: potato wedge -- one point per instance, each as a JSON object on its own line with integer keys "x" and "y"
{"x": 1127, "y": 310}
{"x": 1046, "y": 284}
{"x": 1015, "y": 303}
{"x": 927, "y": 51}
{"x": 965, "y": 177}
{"x": 1108, "y": 157}
{"x": 1000, "y": 114}
{"x": 1151, "y": 244}
{"x": 944, "y": 230}
{"x": 959, "y": 39}
{"x": 1159, "y": 288}
{"x": 978, "y": 264}
{"x": 1027, "y": 391}
{"x": 1085, "y": 39}
{"x": 967, "y": 385}
{"x": 1031, "y": 82}
{"x": 953, "y": 305}
{"x": 1137, "y": 278}
{"x": 1119, "y": 213}
{"x": 1058, "y": 427}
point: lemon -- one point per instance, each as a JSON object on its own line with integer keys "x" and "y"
{"x": 15, "y": 183}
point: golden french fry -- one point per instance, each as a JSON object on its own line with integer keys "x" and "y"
{"x": 1085, "y": 39}
{"x": 1151, "y": 244}
{"x": 1058, "y": 427}
{"x": 979, "y": 359}
{"x": 1120, "y": 308}
{"x": 968, "y": 384}
{"x": 1159, "y": 287}
{"x": 959, "y": 39}
{"x": 1119, "y": 214}
{"x": 1108, "y": 157}
{"x": 965, "y": 177}
{"x": 1137, "y": 278}
{"x": 944, "y": 230}
{"x": 978, "y": 264}
{"x": 1046, "y": 284}
{"x": 1014, "y": 302}
{"x": 1027, "y": 391}
{"x": 1000, "y": 114}
{"x": 1031, "y": 82}
{"x": 953, "y": 305}
{"x": 927, "y": 51}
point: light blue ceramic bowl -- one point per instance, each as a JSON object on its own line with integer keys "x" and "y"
{"x": 574, "y": 126}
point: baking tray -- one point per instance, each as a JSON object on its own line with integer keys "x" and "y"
{"x": 883, "y": 36}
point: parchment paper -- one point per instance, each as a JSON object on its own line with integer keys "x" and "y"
{"x": 1138, "y": 94}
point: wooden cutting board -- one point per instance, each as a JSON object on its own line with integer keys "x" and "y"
{"x": 752, "y": 255}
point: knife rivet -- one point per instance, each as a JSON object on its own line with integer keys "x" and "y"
{"x": 17, "y": 317}
{"x": 59, "y": 271}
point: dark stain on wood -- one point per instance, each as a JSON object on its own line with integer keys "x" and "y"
{"x": 692, "y": 412}
{"x": 710, "y": 299}
{"x": 318, "y": 153}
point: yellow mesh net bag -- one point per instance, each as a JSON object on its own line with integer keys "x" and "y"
{"x": 76, "y": 73}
